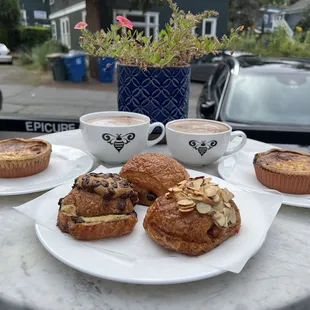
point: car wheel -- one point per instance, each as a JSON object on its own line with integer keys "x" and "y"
{"x": 198, "y": 112}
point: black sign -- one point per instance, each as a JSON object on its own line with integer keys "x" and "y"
{"x": 37, "y": 125}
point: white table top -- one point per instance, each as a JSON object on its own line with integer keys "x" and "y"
{"x": 277, "y": 277}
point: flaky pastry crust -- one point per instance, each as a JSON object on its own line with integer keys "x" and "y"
{"x": 98, "y": 206}
{"x": 152, "y": 174}
{"x": 23, "y": 157}
{"x": 284, "y": 170}
{"x": 101, "y": 229}
{"x": 189, "y": 233}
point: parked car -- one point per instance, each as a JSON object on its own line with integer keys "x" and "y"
{"x": 5, "y": 56}
{"x": 268, "y": 99}
{"x": 203, "y": 67}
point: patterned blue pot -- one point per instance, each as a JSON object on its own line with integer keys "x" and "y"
{"x": 161, "y": 94}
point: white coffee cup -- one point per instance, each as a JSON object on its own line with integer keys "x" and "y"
{"x": 197, "y": 147}
{"x": 114, "y": 141}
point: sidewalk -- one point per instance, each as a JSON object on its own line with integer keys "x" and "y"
{"x": 55, "y": 102}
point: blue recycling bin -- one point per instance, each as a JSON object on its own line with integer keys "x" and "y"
{"x": 106, "y": 69}
{"x": 76, "y": 67}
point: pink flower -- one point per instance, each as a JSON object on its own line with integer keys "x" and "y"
{"x": 124, "y": 22}
{"x": 80, "y": 26}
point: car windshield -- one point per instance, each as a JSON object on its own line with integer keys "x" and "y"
{"x": 269, "y": 99}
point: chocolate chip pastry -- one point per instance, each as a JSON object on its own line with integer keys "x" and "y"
{"x": 152, "y": 174}
{"x": 100, "y": 205}
{"x": 193, "y": 217}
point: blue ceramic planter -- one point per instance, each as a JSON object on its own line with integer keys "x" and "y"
{"x": 161, "y": 94}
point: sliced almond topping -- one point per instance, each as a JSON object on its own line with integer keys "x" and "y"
{"x": 208, "y": 201}
{"x": 176, "y": 189}
{"x": 182, "y": 182}
{"x": 198, "y": 193}
{"x": 227, "y": 195}
{"x": 211, "y": 191}
{"x": 233, "y": 218}
{"x": 227, "y": 204}
{"x": 195, "y": 197}
{"x": 219, "y": 219}
{"x": 226, "y": 212}
{"x": 211, "y": 183}
{"x": 192, "y": 206}
{"x": 195, "y": 185}
{"x": 186, "y": 210}
{"x": 207, "y": 180}
{"x": 203, "y": 208}
{"x": 219, "y": 207}
{"x": 170, "y": 189}
{"x": 216, "y": 198}
{"x": 185, "y": 202}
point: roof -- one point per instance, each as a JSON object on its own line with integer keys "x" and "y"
{"x": 258, "y": 65}
{"x": 271, "y": 9}
{"x": 297, "y": 7}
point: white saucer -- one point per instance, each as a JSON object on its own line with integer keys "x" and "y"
{"x": 66, "y": 163}
{"x": 135, "y": 258}
{"x": 238, "y": 169}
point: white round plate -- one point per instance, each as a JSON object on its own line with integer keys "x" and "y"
{"x": 66, "y": 163}
{"x": 238, "y": 169}
{"x": 112, "y": 258}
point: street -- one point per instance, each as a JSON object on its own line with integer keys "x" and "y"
{"x": 68, "y": 101}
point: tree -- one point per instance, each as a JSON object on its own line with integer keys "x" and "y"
{"x": 143, "y": 4}
{"x": 243, "y": 12}
{"x": 93, "y": 20}
{"x": 305, "y": 20}
{"x": 9, "y": 14}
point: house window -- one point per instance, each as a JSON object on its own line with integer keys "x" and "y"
{"x": 209, "y": 26}
{"x": 24, "y": 17}
{"x": 52, "y": 2}
{"x": 148, "y": 22}
{"x": 40, "y": 15}
{"x": 65, "y": 36}
{"x": 84, "y": 16}
{"x": 266, "y": 19}
{"x": 54, "y": 30}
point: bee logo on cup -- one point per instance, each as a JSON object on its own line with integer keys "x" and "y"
{"x": 119, "y": 140}
{"x": 202, "y": 146}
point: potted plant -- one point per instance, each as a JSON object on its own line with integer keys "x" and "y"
{"x": 153, "y": 75}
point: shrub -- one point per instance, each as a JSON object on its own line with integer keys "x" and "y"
{"x": 38, "y": 55}
{"x": 31, "y": 36}
{"x": 307, "y": 39}
{"x": 4, "y": 36}
{"x": 276, "y": 44}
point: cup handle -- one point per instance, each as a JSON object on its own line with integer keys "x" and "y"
{"x": 152, "y": 127}
{"x": 238, "y": 147}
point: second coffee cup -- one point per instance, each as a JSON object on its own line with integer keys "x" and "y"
{"x": 114, "y": 137}
{"x": 201, "y": 142}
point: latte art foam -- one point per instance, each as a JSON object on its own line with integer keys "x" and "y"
{"x": 116, "y": 121}
{"x": 198, "y": 127}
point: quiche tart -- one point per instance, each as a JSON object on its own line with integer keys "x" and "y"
{"x": 23, "y": 157}
{"x": 193, "y": 217}
{"x": 284, "y": 170}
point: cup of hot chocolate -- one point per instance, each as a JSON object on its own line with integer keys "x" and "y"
{"x": 114, "y": 137}
{"x": 201, "y": 142}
